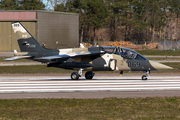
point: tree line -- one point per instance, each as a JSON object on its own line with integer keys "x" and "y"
{"x": 140, "y": 20}
{"x": 21, "y": 5}
{"x": 128, "y": 20}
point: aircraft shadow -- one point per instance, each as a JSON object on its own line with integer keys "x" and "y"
{"x": 84, "y": 79}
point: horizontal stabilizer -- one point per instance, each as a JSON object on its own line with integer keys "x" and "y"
{"x": 18, "y": 57}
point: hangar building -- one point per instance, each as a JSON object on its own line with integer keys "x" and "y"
{"x": 54, "y": 30}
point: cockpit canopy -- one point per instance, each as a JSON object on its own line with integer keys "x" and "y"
{"x": 124, "y": 52}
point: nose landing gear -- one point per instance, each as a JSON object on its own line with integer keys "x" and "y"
{"x": 145, "y": 77}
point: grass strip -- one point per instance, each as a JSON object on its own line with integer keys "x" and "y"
{"x": 164, "y": 59}
{"x": 34, "y": 69}
{"x": 160, "y": 52}
{"x": 42, "y": 69}
{"x": 96, "y": 109}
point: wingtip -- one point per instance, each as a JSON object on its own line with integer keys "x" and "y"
{"x": 8, "y": 59}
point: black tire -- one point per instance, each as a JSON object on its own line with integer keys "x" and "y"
{"x": 89, "y": 75}
{"x": 74, "y": 76}
{"x": 144, "y": 77}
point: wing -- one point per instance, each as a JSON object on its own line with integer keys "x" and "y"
{"x": 64, "y": 57}
{"x": 18, "y": 57}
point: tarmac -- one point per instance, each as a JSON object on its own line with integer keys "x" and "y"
{"x": 102, "y": 86}
{"x": 61, "y": 86}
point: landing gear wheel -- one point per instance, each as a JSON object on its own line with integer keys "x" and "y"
{"x": 89, "y": 75}
{"x": 144, "y": 77}
{"x": 74, "y": 76}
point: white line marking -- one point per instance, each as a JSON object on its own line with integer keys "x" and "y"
{"x": 48, "y": 84}
{"x": 102, "y": 81}
{"x": 119, "y": 86}
{"x": 55, "y": 84}
{"x": 93, "y": 89}
{"x": 98, "y": 77}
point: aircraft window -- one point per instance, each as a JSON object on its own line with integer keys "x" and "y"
{"x": 116, "y": 51}
{"x": 127, "y": 53}
{"x": 109, "y": 50}
{"x": 139, "y": 57}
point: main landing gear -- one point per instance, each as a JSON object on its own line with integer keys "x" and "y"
{"x": 75, "y": 76}
{"x": 89, "y": 75}
{"x": 145, "y": 77}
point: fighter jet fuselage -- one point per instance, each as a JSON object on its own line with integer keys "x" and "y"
{"x": 107, "y": 58}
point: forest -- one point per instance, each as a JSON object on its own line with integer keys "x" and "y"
{"x": 115, "y": 20}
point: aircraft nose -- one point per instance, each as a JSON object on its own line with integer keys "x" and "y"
{"x": 159, "y": 66}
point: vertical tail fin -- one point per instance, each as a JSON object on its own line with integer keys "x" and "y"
{"x": 26, "y": 41}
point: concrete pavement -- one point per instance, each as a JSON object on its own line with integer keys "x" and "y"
{"x": 48, "y": 84}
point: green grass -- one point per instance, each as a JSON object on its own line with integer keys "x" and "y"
{"x": 154, "y": 58}
{"x": 159, "y": 52}
{"x": 34, "y": 69}
{"x": 94, "y": 109}
{"x": 42, "y": 69}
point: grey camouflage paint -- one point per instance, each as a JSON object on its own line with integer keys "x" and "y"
{"x": 91, "y": 59}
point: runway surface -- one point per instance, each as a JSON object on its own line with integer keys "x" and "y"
{"x": 41, "y": 86}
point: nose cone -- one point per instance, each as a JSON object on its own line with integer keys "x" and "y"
{"x": 159, "y": 66}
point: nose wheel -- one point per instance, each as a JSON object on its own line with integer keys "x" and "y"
{"x": 145, "y": 77}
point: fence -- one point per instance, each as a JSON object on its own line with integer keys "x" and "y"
{"x": 132, "y": 45}
{"x": 168, "y": 45}
{"x": 156, "y": 45}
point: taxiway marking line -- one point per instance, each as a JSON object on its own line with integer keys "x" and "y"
{"x": 93, "y": 89}
{"x": 177, "y": 85}
{"x": 19, "y": 84}
{"x": 86, "y": 81}
{"x": 67, "y": 78}
{"x": 48, "y": 84}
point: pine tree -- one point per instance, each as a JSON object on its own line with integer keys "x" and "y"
{"x": 9, "y": 5}
{"x": 96, "y": 14}
{"x": 175, "y": 8}
{"x": 31, "y": 5}
{"x": 60, "y": 8}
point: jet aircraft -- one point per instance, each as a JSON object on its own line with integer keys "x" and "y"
{"x": 108, "y": 58}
